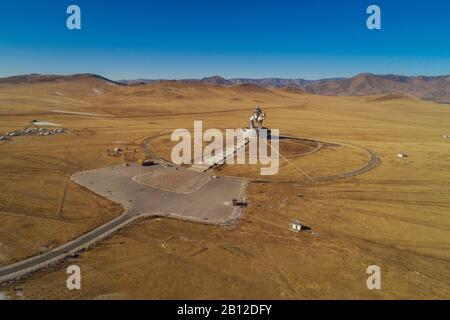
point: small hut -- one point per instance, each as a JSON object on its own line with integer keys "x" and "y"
{"x": 296, "y": 226}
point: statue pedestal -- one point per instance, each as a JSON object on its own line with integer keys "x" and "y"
{"x": 264, "y": 133}
{"x": 250, "y": 133}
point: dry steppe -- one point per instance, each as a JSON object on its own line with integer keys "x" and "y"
{"x": 396, "y": 216}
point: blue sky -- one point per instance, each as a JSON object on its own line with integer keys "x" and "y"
{"x": 233, "y": 38}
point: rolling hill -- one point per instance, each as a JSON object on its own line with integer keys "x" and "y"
{"x": 436, "y": 89}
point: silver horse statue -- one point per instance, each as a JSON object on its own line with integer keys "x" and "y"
{"x": 257, "y": 119}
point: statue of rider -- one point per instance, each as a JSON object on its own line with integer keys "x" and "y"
{"x": 258, "y": 111}
{"x": 257, "y": 117}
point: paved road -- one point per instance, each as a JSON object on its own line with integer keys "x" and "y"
{"x": 208, "y": 201}
{"x": 371, "y": 164}
{"x": 138, "y": 199}
{"x": 166, "y": 191}
{"x": 24, "y": 267}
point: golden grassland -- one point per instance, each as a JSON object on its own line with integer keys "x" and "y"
{"x": 396, "y": 216}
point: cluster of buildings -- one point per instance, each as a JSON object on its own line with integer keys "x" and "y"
{"x": 31, "y": 132}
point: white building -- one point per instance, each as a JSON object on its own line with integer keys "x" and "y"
{"x": 296, "y": 226}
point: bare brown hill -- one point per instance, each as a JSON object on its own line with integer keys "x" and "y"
{"x": 387, "y": 97}
{"x": 426, "y": 88}
{"x": 435, "y": 89}
{"x": 396, "y": 216}
{"x": 41, "y": 78}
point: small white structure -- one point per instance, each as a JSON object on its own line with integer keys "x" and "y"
{"x": 402, "y": 155}
{"x": 296, "y": 226}
{"x": 118, "y": 152}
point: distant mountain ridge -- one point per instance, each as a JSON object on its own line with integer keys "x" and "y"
{"x": 40, "y": 78}
{"x": 218, "y": 80}
{"x": 435, "y": 88}
{"x": 427, "y": 88}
